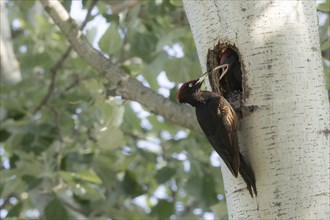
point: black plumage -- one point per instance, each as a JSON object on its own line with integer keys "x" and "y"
{"x": 218, "y": 121}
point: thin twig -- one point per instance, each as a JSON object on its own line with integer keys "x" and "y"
{"x": 74, "y": 83}
{"x": 87, "y": 18}
{"x": 53, "y": 70}
{"x": 57, "y": 122}
{"x": 60, "y": 137}
{"x": 59, "y": 64}
{"x": 90, "y": 135}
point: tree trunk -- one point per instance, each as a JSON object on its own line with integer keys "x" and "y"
{"x": 9, "y": 67}
{"x": 286, "y": 139}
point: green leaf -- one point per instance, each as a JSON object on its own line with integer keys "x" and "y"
{"x": 325, "y": 6}
{"x": 130, "y": 117}
{"x": 220, "y": 210}
{"x": 88, "y": 192}
{"x": 103, "y": 164}
{"x": 26, "y": 5}
{"x": 325, "y": 45}
{"x": 173, "y": 94}
{"x": 165, "y": 174}
{"x": 68, "y": 178}
{"x": 67, "y": 5}
{"x": 111, "y": 42}
{"x": 112, "y": 112}
{"x": 111, "y": 138}
{"x": 85, "y": 175}
{"x": 201, "y": 184}
{"x": 15, "y": 210}
{"x": 88, "y": 175}
{"x": 182, "y": 70}
{"x": 176, "y": 3}
{"x": 161, "y": 125}
{"x": 55, "y": 210}
{"x": 29, "y": 165}
{"x": 31, "y": 181}
{"x": 90, "y": 34}
{"x": 3, "y": 113}
{"x": 154, "y": 68}
{"x": 66, "y": 123}
{"x": 163, "y": 209}
{"x": 194, "y": 183}
{"x": 131, "y": 185}
{"x": 148, "y": 155}
{"x": 143, "y": 45}
{"x": 84, "y": 3}
{"x": 93, "y": 86}
{"x": 4, "y": 135}
{"x": 7, "y": 175}
{"x": 170, "y": 38}
{"x": 13, "y": 185}
{"x": 158, "y": 63}
{"x": 111, "y": 17}
{"x": 209, "y": 194}
{"x": 126, "y": 214}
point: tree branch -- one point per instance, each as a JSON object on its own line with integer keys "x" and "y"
{"x": 60, "y": 62}
{"x": 127, "y": 87}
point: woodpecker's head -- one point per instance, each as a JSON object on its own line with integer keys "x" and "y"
{"x": 188, "y": 89}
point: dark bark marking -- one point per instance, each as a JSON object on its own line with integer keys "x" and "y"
{"x": 326, "y": 131}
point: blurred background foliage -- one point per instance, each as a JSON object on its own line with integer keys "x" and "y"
{"x": 70, "y": 149}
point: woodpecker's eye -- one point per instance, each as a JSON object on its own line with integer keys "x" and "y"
{"x": 190, "y": 85}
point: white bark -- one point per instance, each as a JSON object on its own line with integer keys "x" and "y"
{"x": 287, "y": 137}
{"x": 9, "y": 66}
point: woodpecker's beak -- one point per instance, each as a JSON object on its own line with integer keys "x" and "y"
{"x": 202, "y": 78}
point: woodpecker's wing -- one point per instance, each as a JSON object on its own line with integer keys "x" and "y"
{"x": 229, "y": 118}
{"x": 219, "y": 123}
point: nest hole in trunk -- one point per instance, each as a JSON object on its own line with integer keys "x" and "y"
{"x": 230, "y": 86}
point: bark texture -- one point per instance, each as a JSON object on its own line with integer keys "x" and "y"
{"x": 286, "y": 139}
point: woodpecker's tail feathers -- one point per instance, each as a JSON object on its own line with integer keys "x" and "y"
{"x": 248, "y": 176}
